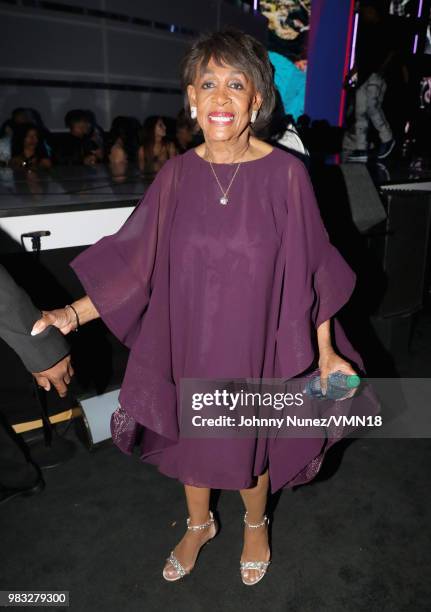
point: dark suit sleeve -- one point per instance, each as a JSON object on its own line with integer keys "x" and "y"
{"x": 17, "y": 316}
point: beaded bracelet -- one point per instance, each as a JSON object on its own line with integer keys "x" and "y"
{"x": 76, "y": 314}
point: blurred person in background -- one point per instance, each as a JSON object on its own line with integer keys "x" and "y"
{"x": 78, "y": 146}
{"x": 303, "y": 122}
{"x": 19, "y": 116}
{"x": 368, "y": 75}
{"x": 122, "y": 146}
{"x": 123, "y": 140}
{"x": 35, "y": 118}
{"x": 28, "y": 150}
{"x": 95, "y": 132}
{"x": 155, "y": 148}
{"x": 184, "y": 136}
{"x": 286, "y": 136}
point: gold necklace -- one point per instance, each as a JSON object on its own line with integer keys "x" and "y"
{"x": 224, "y": 199}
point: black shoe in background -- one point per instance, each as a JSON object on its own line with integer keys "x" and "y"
{"x": 385, "y": 149}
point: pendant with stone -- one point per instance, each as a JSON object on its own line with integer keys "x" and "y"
{"x": 224, "y": 200}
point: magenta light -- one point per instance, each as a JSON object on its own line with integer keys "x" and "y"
{"x": 420, "y": 8}
{"x": 415, "y": 44}
{"x": 255, "y": 3}
{"x": 355, "y": 31}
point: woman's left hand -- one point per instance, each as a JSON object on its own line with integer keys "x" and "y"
{"x": 330, "y": 362}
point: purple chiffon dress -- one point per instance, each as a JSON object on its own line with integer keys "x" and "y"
{"x": 198, "y": 289}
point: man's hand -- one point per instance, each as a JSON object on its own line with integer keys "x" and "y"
{"x": 59, "y": 375}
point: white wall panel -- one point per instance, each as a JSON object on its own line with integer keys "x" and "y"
{"x": 68, "y": 229}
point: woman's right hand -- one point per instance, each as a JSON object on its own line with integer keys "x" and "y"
{"x": 63, "y": 319}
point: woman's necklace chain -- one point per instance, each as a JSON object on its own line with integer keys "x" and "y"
{"x": 224, "y": 199}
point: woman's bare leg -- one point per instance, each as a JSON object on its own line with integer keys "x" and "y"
{"x": 187, "y": 549}
{"x": 256, "y": 547}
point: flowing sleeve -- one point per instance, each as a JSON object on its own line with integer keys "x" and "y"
{"x": 317, "y": 280}
{"x": 117, "y": 271}
{"x": 317, "y": 283}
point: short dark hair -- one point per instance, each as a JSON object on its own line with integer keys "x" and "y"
{"x": 75, "y": 116}
{"x": 239, "y": 50}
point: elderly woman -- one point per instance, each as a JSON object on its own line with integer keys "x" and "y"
{"x": 216, "y": 274}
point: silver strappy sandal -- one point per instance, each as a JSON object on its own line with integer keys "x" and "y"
{"x": 181, "y": 572}
{"x": 261, "y": 566}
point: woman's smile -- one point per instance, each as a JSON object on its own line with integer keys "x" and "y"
{"x": 221, "y": 118}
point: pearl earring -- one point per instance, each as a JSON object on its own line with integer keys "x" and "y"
{"x": 253, "y": 116}
{"x": 193, "y": 112}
